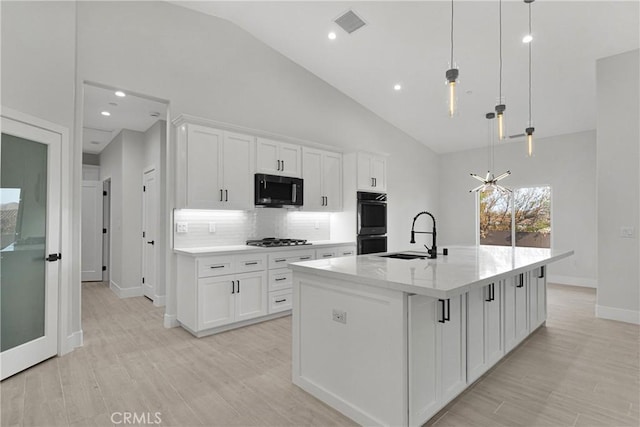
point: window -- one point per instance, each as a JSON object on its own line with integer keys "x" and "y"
{"x": 523, "y": 217}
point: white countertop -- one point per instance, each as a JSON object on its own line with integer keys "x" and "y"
{"x": 464, "y": 268}
{"x": 229, "y": 250}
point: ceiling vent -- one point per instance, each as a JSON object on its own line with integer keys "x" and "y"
{"x": 350, "y": 22}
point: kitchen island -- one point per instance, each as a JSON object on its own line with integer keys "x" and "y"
{"x": 390, "y": 341}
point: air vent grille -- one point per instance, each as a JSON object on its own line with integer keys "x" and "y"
{"x": 350, "y": 22}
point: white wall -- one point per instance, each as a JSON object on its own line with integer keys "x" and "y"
{"x": 618, "y": 186}
{"x": 210, "y": 68}
{"x": 121, "y": 161}
{"x": 33, "y": 34}
{"x": 566, "y": 163}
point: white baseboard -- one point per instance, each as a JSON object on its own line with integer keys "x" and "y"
{"x": 159, "y": 300}
{"x": 171, "y": 321}
{"x": 75, "y": 340}
{"x": 619, "y": 314}
{"x": 125, "y": 292}
{"x": 584, "y": 282}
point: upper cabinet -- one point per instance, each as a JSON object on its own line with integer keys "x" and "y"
{"x": 322, "y": 180}
{"x": 279, "y": 158}
{"x": 215, "y": 168}
{"x": 372, "y": 172}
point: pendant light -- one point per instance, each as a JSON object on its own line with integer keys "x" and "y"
{"x": 452, "y": 76}
{"x": 529, "y": 130}
{"x": 490, "y": 181}
{"x": 501, "y": 106}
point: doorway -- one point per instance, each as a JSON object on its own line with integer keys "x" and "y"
{"x": 124, "y": 136}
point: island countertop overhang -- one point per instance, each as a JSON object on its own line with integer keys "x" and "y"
{"x": 465, "y": 268}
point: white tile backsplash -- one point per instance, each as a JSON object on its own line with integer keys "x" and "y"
{"x": 236, "y": 227}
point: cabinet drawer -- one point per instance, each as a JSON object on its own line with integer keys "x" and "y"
{"x": 280, "y": 301}
{"x": 215, "y": 266}
{"x": 251, "y": 262}
{"x": 346, "y": 251}
{"x": 326, "y": 253}
{"x": 280, "y": 279}
{"x": 282, "y": 259}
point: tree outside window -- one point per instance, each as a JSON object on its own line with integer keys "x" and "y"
{"x": 524, "y": 215}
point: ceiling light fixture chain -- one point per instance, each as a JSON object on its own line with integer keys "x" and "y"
{"x": 529, "y": 129}
{"x": 501, "y": 106}
{"x": 452, "y": 75}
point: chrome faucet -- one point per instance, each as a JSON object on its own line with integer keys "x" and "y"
{"x": 433, "y": 251}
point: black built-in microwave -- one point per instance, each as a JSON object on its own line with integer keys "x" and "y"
{"x": 277, "y": 191}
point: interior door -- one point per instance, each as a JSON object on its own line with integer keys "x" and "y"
{"x": 29, "y": 244}
{"x": 149, "y": 233}
{"x": 106, "y": 227}
{"x": 91, "y": 231}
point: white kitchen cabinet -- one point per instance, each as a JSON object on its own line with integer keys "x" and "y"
{"x": 215, "y": 168}
{"x": 217, "y": 291}
{"x": 484, "y": 329}
{"x": 437, "y": 354}
{"x": 516, "y": 317}
{"x": 322, "y": 173}
{"x": 537, "y": 297}
{"x": 278, "y": 158}
{"x": 281, "y": 277}
{"x": 372, "y": 172}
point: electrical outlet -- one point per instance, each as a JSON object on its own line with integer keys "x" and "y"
{"x": 627, "y": 232}
{"x": 340, "y": 316}
{"x": 317, "y": 225}
{"x": 212, "y": 227}
{"x": 182, "y": 227}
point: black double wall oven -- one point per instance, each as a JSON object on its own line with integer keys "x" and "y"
{"x": 372, "y": 222}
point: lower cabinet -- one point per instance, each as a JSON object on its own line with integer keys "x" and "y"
{"x": 516, "y": 317}
{"x": 484, "y": 329}
{"x": 227, "y": 299}
{"x": 537, "y": 298}
{"x": 437, "y": 354}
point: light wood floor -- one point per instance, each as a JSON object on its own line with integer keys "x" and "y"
{"x": 579, "y": 371}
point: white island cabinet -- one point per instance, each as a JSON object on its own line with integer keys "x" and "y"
{"x": 391, "y": 341}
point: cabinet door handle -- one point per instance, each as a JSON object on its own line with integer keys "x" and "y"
{"x": 233, "y": 286}
{"x": 448, "y": 316}
{"x": 489, "y": 292}
{"x": 372, "y": 183}
{"x": 541, "y": 275}
{"x": 493, "y": 292}
{"x": 217, "y": 266}
{"x": 153, "y": 242}
{"x": 280, "y": 279}
{"x": 282, "y": 161}
{"x": 278, "y": 164}
{"x": 280, "y": 300}
{"x": 251, "y": 263}
{"x": 326, "y": 255}
{"x": 520, "y": 280}
{"x": 226, "y": 195}
{"x": 238, "y": 285}
{"x": 304, "y": 258}
{"x": 347, "y": 253}
{"x": 375, "y": 182}
{"x": 221, "y": 194}
{"x": 442, "y": 319}
{"x": 281, "y": 260}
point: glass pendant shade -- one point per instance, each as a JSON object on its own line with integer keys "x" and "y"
{"x": 529, "y": 132}
{"x": 452, "y": 82}
{"x": 501, "y": 125}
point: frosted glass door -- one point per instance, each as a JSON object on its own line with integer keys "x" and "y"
{"x": 29, "y": 231}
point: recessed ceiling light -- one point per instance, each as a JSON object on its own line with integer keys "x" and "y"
{"x": 397, "y": 87}
{"x": 332, "y": 35}
{"x": 105, "y": 113}
{"x": 121, "y": 94}
{"x": 113, "y": 103}
{"x": 527, "y": 39}
{"x": 154, "y": 114}
{"x": 95, "y": 142}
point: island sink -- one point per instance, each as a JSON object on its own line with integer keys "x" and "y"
{"x": 405, "y": 255}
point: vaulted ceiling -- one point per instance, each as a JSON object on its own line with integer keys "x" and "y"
{"x": 407, "y": 43}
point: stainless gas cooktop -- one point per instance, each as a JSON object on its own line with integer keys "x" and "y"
{"x": 270, "y": 242}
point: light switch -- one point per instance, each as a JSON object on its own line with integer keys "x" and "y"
{"x": 182, "y": 227}
{"x": 627, "y": 232}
